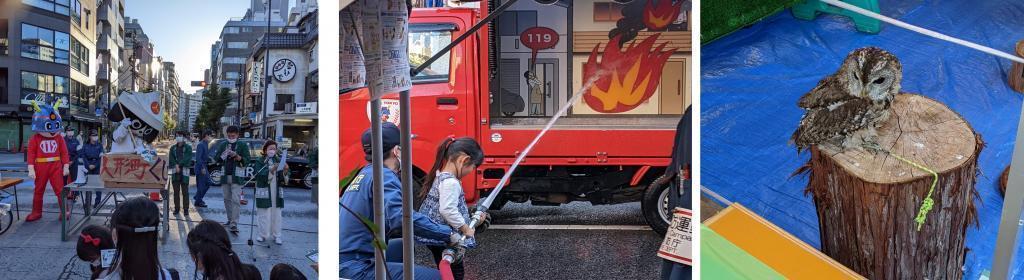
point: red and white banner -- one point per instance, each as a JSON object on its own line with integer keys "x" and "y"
{"x": 678, "y": 243}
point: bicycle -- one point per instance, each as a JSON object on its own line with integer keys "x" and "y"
{"x": 6, "y": 219}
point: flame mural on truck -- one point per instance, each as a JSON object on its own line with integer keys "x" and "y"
{"x": 630, "y": 76}
{"x": 657, "y": 17}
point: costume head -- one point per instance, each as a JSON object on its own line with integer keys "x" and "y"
{"x": 144, "y": 111}
{"x": 46, "y": 118}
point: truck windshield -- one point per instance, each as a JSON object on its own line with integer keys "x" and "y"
{"x": 424, "y": 43}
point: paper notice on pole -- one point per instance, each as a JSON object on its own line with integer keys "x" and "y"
{"x": 678, "y": 243}
{"x": 382, "y": 29}
{"x": 353, "y": 69}
{"x": 394, "y": 21}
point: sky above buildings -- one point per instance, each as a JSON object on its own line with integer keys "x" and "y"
{"x": 184, "y": 30}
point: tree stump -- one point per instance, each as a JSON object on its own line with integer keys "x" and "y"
{"x": 1016, "y": 75}
{"x": 867, "y": 202}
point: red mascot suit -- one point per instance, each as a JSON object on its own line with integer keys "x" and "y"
{"x": 48, "y": 159}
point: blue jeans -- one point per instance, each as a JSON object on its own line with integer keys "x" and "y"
{"x": 202, "y": 185}
{"x": 363, "y": 270}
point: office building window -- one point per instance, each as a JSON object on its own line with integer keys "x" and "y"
{"x": 79, "y": 57}
{"x": 4, "y": 41}
{"x": 238, "y": 45}
{"x": 80, "y": 95}
{"x": 76, "y": 11}
{"x": 44, "y": 44}
{"x": 230, "y": 30}
{"x": 57, "y": 6}
{"x": 234, "y": 60}
{"x": 43, "y": 88}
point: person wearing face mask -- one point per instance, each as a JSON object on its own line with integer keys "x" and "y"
{"x": 233, "y": 156}
{"x": 179, "y": 159}
{"x": 90, "y": 156}
{"x": 74, "y": 147}
{"x": 92, "y": 242}
{"x": 269, "y": 193}
{"x": 357, "y": 251}
{"x": 202, "y": 174}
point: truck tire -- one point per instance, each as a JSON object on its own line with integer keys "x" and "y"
{"x": 655, "y": 205}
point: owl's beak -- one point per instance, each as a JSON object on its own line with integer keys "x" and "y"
{"x": 864, "y": 93}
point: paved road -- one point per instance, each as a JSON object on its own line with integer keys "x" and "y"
{"x": 27, "y": 245}
{"x": 596, "y": 252}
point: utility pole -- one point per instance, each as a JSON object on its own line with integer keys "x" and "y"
{"x": 266, "y": 73}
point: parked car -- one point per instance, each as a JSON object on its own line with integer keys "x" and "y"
{"x": 299, "y": 173}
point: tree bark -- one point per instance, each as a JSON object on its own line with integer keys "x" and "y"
{"x": 867, "y": 202}
{"x": 1016, "y": 75}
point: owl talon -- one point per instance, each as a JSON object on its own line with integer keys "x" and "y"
{"x": 873, "y": 147}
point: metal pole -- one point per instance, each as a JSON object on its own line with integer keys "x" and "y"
{"x": 266, "y": 74}
{"x": 408, "y": 246}
{"x": 1009, "y": 222}
{"x": 462, "y": 37}
{"x": 377, "y": 145}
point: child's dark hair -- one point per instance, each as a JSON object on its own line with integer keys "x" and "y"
{"x": 210, "y": 245}
{"x": 283, "y": 271}
{"x": 92, "y": 240}
{"x": 136, "y": 223}
{"x": 449, "y": 150}
{"x": 250, "y": 272}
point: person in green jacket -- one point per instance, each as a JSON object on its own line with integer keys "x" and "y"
{"x": 269, "y": 192}
{"x": 180, "y": 159}
{"x": 232, "y": 155}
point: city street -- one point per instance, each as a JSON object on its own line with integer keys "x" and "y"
{"x": 27, "y": 245}
{"x": 532, "y": 242}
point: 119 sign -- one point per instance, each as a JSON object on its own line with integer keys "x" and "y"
{"x": 539, "y": 38}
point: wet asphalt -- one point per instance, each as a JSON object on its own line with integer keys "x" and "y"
{"x": 510, "y": 253}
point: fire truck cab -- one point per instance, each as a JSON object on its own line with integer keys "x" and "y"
{"x": 504, "y": 83}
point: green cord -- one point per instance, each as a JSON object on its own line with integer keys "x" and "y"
{"x": 926, "y": 205}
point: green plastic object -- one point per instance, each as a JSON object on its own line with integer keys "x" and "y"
{"x": 721, "y": 259}
{"x": 721, "y": 17}
{"x": 809, "y": 9}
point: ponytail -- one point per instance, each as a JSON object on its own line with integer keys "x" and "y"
{"x": 439, "y": 161}
{"x": 449, "y": 150}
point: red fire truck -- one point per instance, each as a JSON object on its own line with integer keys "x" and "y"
{"x": 479, "y": 91}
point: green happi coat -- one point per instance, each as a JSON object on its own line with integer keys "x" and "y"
{"x": 242, "y": 149}
{"x": 263, "y": 182}
{"x": 180, "y": 157}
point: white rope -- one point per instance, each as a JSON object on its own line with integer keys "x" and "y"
{"x": 715, "y": 195}
{"x": 917, "y": 29}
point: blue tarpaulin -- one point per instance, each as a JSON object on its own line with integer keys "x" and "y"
{"x": 751, "y": 80}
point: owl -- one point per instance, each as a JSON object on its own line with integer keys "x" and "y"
{"x": 846, "y": 108}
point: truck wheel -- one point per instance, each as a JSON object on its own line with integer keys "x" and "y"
{"x": 307, "y": 180}
{"x": 655, "y": 205}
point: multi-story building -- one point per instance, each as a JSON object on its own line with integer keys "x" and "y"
{"x": 35, "y": 54}
{"x": 170, "y": 92}
{"x": 82, "y": 59}
{"x": 138, "y": 58}
{"x": 235, "y": 45}
{"x": 301, "y": 9}
{"x": 286, "y": 105}
{"x": 109, "y": 46}
{"x": 188, "y": 110}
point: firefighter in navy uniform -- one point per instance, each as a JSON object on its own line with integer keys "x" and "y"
{"x": 357, "y": 259}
